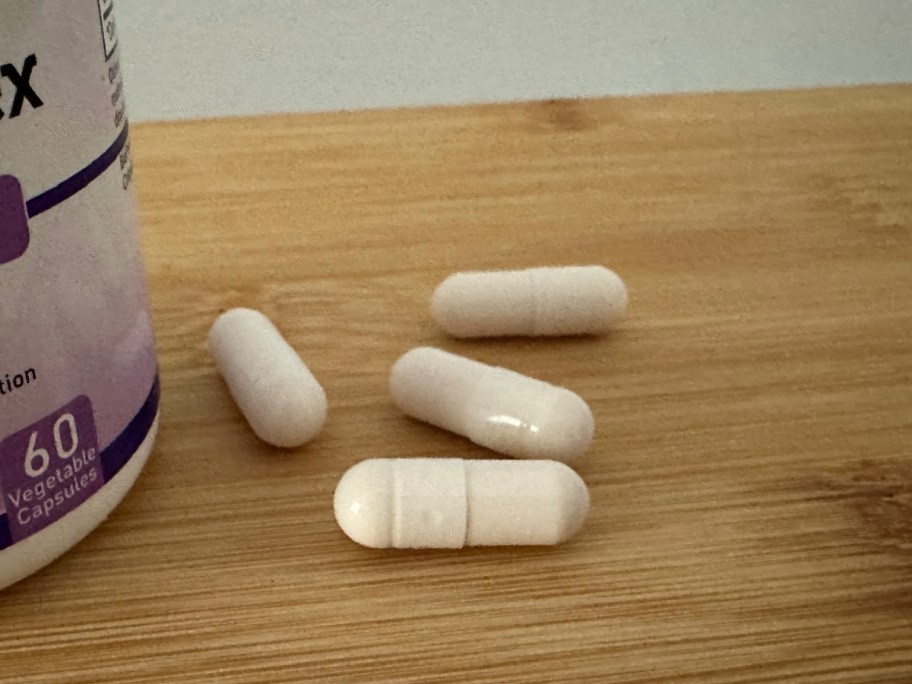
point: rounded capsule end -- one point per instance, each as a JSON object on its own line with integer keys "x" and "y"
{"x": 409, "y": 370}
{"x": 229, "y": 319}
{"x": 415, "y": 383}
{"x": 555, "y": 425}
{"x": 614, "y": 295}
{"x": 574, "y": 502}
{"x": 292, "y": 417}
{"x": 568, "y": 429}
{"x": 452, "y": 306}
{"x": 362, "y": 503}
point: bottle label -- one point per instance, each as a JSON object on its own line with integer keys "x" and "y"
{"x": 78, "y": 387}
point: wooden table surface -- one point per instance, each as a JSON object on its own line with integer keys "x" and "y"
{"x": 751, "y": 478}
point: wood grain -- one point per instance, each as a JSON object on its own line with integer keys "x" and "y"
{"x": 751, "y": 479}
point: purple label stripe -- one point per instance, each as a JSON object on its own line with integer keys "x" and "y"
{"x": 117, "y": 454}
{"x": 127, "y": 442}
{"x": 79, "y": 180}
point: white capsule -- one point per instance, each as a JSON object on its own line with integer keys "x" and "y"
{"x": 568, "y": 300}
{"x": 272, "y": 386}
{"x": 448, "y": 503}
{"x": 494, "y": 407}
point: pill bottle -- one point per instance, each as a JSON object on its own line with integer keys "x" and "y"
{"x": 78, "y": 376}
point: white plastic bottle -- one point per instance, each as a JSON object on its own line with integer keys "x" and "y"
{"x": 78, "y": 376}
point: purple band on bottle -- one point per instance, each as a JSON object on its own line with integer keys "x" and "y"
{"x": 79, "y": 180}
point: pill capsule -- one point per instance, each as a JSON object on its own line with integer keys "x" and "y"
{"x": 569, "y": 300}
{"x": 274, "y": 389}
{"x": 448, "y": 503}
{"x": 494, "y": 407}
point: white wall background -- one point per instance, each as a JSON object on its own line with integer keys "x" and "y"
{"x": 200, "y": 58}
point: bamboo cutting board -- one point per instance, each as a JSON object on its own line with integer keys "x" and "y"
{"x": 751, "y": 478}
